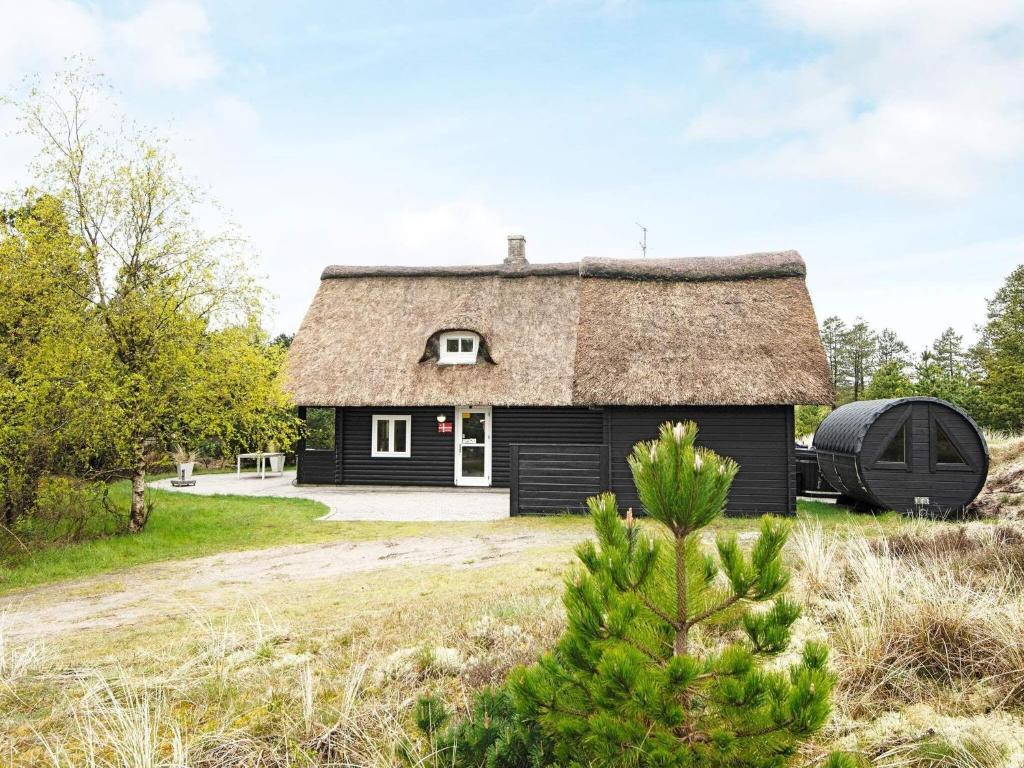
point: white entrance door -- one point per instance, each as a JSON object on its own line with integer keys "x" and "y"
{"x": 473, "y": 446}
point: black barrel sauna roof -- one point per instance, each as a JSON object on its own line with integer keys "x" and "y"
{"x": 911, "y": 454}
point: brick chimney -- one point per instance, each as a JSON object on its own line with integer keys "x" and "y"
{"x": 516, "y": 251}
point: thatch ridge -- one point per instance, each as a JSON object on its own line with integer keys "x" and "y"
{"x": 340, "y": 271}
{"x": 749, "y": 266}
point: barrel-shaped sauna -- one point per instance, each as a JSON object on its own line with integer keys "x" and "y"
{"x": 910, "y": 454}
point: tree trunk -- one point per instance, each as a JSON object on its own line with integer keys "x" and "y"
{"x": 680, "y": 645}
{"x": 137, "y": 517}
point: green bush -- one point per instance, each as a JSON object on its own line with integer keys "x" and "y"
{"x": 65, "y": 511}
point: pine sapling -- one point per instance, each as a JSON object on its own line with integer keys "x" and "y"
{"x": 663, "y": 662}
{"x": 666, "y": 661}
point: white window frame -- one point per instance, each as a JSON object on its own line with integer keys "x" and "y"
{"x": 391, "y": 419}
{"x": 458, "y": 358}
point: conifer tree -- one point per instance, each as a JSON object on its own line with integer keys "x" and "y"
{"x": 662, "y": 661}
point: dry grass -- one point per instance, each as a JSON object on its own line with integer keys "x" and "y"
{"x": 927, "y": 629}
{"x": 1003, "y": 494}
{"x": 323, "y": 677}
{"x": 926, "y": 621}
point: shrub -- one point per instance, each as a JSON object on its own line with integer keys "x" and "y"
{"x": 926, "y": 616}
{"x": 637, "y": 679}
{"x": 65, "y": 511}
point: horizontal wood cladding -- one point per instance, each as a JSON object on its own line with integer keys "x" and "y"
{"x": 759, "y": 438}
{"x": 539, "y": 425}
{"x": 556, "y": 477}
{"x": 433, "y": 453}
{"x": 432, "y": 459}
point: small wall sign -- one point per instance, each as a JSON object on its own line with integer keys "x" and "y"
{"x": 444, "y": 426}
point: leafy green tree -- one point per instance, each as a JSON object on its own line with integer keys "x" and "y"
{"x": 650, "y": 671}
{"x": 808, "y": 417}
{"x": 170, "y": 309}
{"x": 55, "y": 413}
{"x": 889, "y": 380}
{"x": 1001, "y": 356}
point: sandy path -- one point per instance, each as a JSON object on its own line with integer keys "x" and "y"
{"x": 173, "y": 589}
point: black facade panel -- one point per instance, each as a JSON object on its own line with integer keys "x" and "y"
{"x": 540, "y": 425}
{"x": 433, "y": 453}
{"x": 759, "y": 438}
{"x": 557, "y": 477}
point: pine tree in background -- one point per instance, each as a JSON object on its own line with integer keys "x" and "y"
{"x": 833, "y": 338}
{"x": 889, "y": 380}
{"x": 861, "y": 347}
{"x": 948, "y": 352}
{"x": 1001, "y": 356}
{"x": 892, "y": 349}
{"x": 662, "y": 660}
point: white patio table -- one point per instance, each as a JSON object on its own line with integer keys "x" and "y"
{"x": 261, "y": 463}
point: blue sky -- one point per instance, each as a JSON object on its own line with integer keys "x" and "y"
{"x": 882, "y": 139}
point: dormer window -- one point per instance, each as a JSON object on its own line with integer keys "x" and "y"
{"x": 458, "y": 348}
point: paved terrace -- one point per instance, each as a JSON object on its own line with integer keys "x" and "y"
{"x": 361, "y": 502}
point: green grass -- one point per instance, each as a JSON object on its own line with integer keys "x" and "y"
{"x": 185, "y": 526}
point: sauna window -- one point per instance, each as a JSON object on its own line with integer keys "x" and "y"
{"x": 896, "y": 451}
{"x": 945, "y": 451}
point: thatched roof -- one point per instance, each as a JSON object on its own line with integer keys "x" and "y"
{"x": 730, "y": 331}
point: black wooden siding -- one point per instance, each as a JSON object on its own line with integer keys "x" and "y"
{"x": 760, "y": 438}
{"x": 556, "y": 477}
{"x": 540, "y": 425}
{"x": 433, "y": 453}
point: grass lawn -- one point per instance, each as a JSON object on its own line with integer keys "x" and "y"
{"x": 186, "y": 526}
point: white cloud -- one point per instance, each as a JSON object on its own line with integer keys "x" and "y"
{"x": 169, "y": 41}
{"x": 165, "y": 44}
{"x": 911, "y": 96}
{"x": 42, "y": 33}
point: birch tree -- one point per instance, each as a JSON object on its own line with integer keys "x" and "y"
{"x": 155, "y": 282}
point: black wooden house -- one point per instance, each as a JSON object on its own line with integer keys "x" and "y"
{"x": 542, "y": 377}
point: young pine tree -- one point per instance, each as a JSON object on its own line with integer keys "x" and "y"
{"x": 662, "y": 662}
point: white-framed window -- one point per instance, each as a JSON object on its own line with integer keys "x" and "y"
{"x": 458, "y": 348}
{"x": 391, "y": 436}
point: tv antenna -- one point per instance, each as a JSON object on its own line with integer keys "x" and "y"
{"x": 643, "y": 242}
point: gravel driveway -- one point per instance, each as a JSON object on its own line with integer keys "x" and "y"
{"x": 192, "y": 587}
{"x": 351, "y": 502}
